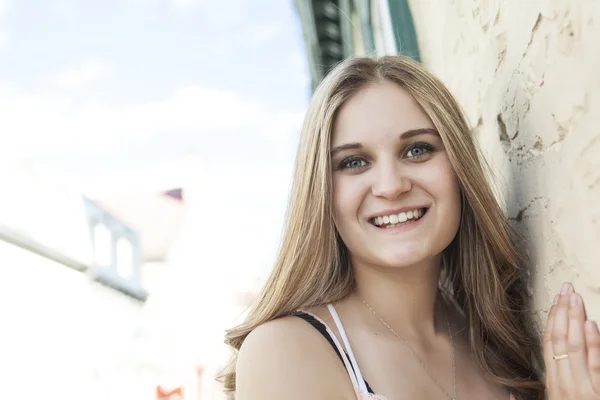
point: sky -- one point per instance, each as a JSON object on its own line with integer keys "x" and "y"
{"x": 100, "y": 88}
{"x": 110, "y": 95}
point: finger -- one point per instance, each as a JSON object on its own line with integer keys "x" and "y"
{"x": 592, "y": 339}
{"x": 576, "y": 345}
{"x": 559, "y": 343}
{"x": 548, "y": 350}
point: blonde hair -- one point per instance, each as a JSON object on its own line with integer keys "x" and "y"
{"x": 482, "y": 268}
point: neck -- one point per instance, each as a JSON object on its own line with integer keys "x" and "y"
{"x": 406, "y": 298}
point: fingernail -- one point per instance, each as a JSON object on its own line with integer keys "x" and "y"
{"x": 574, "y": 299}
{"x": 555, "y": 301}
{"x": 565, "y": 288}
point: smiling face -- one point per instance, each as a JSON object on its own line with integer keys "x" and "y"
{"x": 396, "y": 198}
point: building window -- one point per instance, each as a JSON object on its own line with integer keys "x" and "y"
{"x": 125, "y": 261}
{"x": 102, "y": 245}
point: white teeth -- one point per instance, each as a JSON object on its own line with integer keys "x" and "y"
{"x": 392, "y": 221}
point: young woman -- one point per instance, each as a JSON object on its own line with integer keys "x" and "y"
{"x": 397, "y": 276}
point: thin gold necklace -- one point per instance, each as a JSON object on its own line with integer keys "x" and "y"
{"x": 405, "y": 343}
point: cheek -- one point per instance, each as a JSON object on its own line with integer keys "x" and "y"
{"x": 441, "y": 182}
{"x": 449, "y": 193}
{"x": 347, "y": 199}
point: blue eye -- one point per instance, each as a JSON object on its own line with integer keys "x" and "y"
{"x": 418, "y": 150}
{"x": 353, "y": 163}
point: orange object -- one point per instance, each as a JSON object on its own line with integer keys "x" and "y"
{"x": 163, "y": 394}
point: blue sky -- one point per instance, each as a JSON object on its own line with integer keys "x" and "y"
{"x": 100, "y": 87}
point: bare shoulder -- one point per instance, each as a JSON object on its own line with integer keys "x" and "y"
{"x": 288, "y": 358}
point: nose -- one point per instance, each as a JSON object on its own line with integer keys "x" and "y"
{"x": 391, "y": 182}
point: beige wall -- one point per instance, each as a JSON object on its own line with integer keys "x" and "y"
{"x": 527, "y": 73}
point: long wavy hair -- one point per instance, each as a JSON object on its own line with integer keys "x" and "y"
{"x": 481, "y": 267}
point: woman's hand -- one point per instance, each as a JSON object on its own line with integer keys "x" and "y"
{"x": 571, "y": 350}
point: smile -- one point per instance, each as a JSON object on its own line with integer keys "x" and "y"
{"x": 400, "y": 219}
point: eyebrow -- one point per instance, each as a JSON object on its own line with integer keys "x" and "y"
{"x": 406, "y": 135}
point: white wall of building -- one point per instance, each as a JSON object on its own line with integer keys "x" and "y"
{"x": 63, "y": 336}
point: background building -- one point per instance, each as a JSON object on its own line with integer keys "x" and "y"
{"x": 70, "y": 294}
{"x": 529, "y": 86}
{"x": 115, "y": 297}
{"x": 336, "y": 29}
{"x": 122, "y": 261}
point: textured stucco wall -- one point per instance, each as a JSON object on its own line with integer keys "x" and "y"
{"x": 527, "y": 73}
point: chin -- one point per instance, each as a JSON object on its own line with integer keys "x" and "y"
{"x": 403, "y": 259}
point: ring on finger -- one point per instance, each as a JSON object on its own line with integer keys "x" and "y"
{"x": 561, "y": 357}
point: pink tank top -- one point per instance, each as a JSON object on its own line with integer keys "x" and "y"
{"x": 358, "y": 382}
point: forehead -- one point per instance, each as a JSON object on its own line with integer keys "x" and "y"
{"x": 377, "y": 111}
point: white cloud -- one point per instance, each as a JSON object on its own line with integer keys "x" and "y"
{"x": 88, "y": 71}
{"x": 45, "y": 122}
{"x": 282, "y": 125}
{"x": 299, "y": 67}
{"x": 4, "y": 6}
{"x": 184, "y": 4}
{"x": 189, "y": 4}
{"x": 261, "y": 34}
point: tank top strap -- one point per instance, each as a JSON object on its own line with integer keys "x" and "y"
{"x": 338, "y": 322}
{"x": 341, "y": 352}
